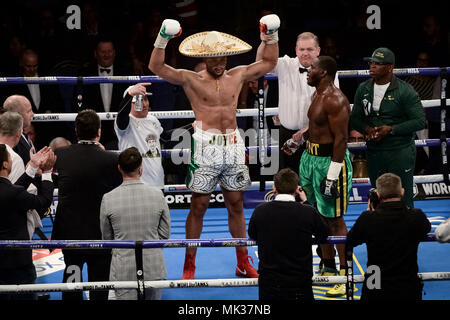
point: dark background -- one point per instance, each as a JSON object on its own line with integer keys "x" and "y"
{"x": 41, "y": 25}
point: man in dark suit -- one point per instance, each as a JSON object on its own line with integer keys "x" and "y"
{"x": 392, "y": 233}
{"x": 44, "y": 98}
{"x": 16, "y": 266}
{"x": 104, "y": 97}
{"x": 283, "y": 230}
{"x": 85, "y": 173}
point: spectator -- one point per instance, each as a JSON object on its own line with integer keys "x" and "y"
{"x": 358, "y": 157}
{"x": 104, "y": 97}
{"x": 59, "y": 142}
{"x": 136, "y": 128}
{"x": 295, "y": 94}
{"x": 16, "y": 266}
{"x": 283, "y": 229}
{"x": 145, "y": 218}
{"x": 388, "y": 112}
{"x": 22, "y": 105}
{"x": 44, "y": 98}
{"x": 10, "y": 133}
{"x": 11, "y": 124}
{"x": 85, "y": 173}
{"x": 391, "y": 228}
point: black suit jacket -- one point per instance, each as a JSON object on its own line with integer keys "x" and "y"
{"x": 92, "y": 99}
{"x": 283, "y": 230}
{"x": 23, "y": 150}
{"x": 15, "y": 201}
{"x": 85, "y": 174}
{"x": 50, "y": 97}
{"x": 392, "y": 234}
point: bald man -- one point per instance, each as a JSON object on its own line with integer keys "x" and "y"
{"x": 22, "y": 105}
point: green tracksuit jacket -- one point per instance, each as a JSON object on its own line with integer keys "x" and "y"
{"x": 402, "y": 109}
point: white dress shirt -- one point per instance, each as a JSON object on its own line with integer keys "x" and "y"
{"x": 35, "y": 93}
{"x": 106, "y": 88}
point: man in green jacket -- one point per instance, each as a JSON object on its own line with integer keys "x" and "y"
{"x": 388, "y": 111}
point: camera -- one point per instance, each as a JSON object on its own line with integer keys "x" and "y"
{"x": 138, "y": 102}
{"x": 373, "y": 198}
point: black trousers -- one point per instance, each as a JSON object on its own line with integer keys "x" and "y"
{"x": 287, "y": 161}
{"x": 21, "y": 275}
{"x": 271, "y": 292}
{"x": 98, "y": 265}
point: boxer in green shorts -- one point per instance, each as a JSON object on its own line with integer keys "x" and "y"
{"x": 325, "y": 169}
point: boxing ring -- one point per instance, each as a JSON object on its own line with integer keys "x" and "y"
{"x": 215, "y": 235}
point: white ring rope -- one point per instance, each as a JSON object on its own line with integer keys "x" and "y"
{"x": 184, "y": 114}
{"x": 173, "y": 284}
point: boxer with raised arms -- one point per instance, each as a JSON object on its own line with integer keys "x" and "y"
{"x": 218, "y": 151}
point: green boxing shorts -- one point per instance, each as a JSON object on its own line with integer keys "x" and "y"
{"x": 313, "y": 169}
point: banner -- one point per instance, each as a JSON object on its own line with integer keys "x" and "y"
{"x": 252, "y": 198}
{"x": 181, "y": 199}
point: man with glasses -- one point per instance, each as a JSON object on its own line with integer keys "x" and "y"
{"x": 388, "y": 111}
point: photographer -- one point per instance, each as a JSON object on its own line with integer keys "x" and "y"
{"x": 282, "y": 229}
{"x": 392, "y": 233}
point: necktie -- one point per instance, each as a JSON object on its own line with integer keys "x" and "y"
{"x": 302, "y": 70}
{"x": 105, "y": 70}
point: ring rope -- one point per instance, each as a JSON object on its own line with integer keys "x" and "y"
{"x": 150, "y": 244}
{"x": 128, "y": 79}
{"x": 350, "y": 146}
{"x": 179, "y": 284}
{"x": 269, "y": 184}
{"x": 184, "y": 114}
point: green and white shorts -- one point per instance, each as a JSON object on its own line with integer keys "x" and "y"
{"x": 217, "y": 159}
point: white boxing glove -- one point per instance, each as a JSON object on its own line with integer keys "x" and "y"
{"x": 269, "y": 25}
{"x": 169, "y": 29}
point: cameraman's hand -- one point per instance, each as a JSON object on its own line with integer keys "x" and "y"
{"x": 301, "y": 193}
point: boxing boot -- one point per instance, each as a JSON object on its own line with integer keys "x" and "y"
{"x": 339, "y": 289}
{"x": 244, "y": 268}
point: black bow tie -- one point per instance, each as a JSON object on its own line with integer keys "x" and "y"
{"x": 105, "y": 70}
{"x": 302, "y": 70}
